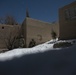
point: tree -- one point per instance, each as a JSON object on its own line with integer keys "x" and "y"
{"x": 1, "y": 20}
{"x": 11, "y": 41}
{"x": 10, "y": 20}
{"x": 54, "y": 35}
{"x": 11, "y": 38}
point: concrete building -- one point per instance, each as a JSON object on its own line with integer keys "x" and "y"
{"x": 38, "y": 30}
{"x": 41, "y": 31}
{"x": 67, "y": 21}
{"x": 30, "y": 29}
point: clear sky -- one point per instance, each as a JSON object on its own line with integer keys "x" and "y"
{"x": 45, "y": 10}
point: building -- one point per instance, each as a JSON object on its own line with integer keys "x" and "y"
{"x": 67, "y": 21}
{"x": 41, "y": 31}
{"x": 30, "y": 29}
{"x": 38, "y": 30}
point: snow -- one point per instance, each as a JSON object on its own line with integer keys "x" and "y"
{"x": 42, "y": 59}
{"x": 22, "y": 51}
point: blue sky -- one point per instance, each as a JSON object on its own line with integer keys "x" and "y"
{"x": 45, "y": 10}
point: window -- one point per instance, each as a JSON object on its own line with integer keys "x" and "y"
{"x": 2, "y": 27}
{"x": 67, "y": 14}
{"x": 70, "y": 13}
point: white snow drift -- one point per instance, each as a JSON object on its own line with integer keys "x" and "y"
{"x": 39, "y": 60}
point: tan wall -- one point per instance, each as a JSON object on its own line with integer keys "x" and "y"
{"x": 36, "y": 30}
{"x": 31, "y": 29}
{"x": 23, "y": 28}
{"x": 6, "y": 32}
{"x": 67, "y": 27}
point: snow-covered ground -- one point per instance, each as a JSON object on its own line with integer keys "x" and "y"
{"x": 42, "y": 59}
{"x": 23, "y": 51}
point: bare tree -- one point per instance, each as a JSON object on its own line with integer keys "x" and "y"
{"x": 10, "y": 20}
{"x": 11, "y": 38}
{"x": 2, "y": 21}
{"x": 11, "y": 41}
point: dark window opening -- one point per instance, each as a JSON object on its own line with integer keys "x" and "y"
{"x": 2, "y": 27}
